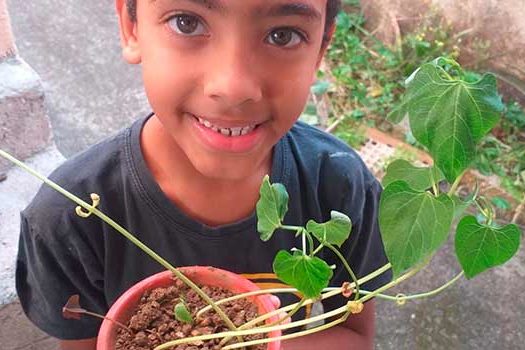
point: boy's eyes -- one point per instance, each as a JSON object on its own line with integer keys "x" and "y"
{"x": 191, "y": 25}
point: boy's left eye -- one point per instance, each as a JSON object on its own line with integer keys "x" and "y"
{"x": 285, "y": 37}
{"x": 186, "y": 24}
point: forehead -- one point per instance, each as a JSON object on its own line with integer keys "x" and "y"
{"x": 313, "y": 10}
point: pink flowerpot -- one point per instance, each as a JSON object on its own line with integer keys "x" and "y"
{"x": 124, "y": 307}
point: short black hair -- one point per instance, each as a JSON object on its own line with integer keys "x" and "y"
{"x": 332, "y": 9}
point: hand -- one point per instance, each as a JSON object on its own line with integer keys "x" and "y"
{"x": 283, "y": 315}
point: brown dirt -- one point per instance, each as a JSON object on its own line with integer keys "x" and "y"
{"x": 154, "y": 323}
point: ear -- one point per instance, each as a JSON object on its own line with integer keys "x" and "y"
{"x": 128, "y": 34}
{"x": 327, "y": 39}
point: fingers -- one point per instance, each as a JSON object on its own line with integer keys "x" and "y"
{"x": 275, "y": 301}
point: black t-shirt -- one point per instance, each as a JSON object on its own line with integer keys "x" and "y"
{"x": 62, "y": 254}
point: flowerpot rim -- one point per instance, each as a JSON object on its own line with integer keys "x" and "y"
{"x": 124, "y": 306}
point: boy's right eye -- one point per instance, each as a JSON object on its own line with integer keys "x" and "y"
{"x": 186, "y": 24}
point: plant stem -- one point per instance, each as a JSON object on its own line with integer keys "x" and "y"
{"x": 330, "y": 293}
{"x": 419, "y": 295}
{"x": 303, "y": 238}
{"x": 109, "y": 319}
{"x": 292, "y": 228}
{"x": 391, "y": 284}
{"x": 291, "y": 336}
{"x": 455, "y": 185}
{"x": 347, "y": 267}
{"x": 289, "y": 315}
{"x": 297, "y": 307}
{"x": 264, "y": 329}
{"x": 125, "y": 233}
{"x": 310, "y": 242}
{"x": 245, "y": 295}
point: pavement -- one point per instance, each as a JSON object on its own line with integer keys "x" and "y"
{"x": 91, "y": 93}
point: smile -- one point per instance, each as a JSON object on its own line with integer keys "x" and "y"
{"x": 231, "y": 132}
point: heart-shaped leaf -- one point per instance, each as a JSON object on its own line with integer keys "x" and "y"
{"x": 413, "y": 224}
{"x": 417, "y": 178}
{"x": 480, "y": 247}
{"x": 310, "y": 275}
{"x": 182, "y": 313}
{"x": 271, "y": 207}
{"x": 335, "y": 231}
{"x": 449, "y": 115}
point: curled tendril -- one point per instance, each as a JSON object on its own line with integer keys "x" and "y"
{"x": 95, "y": 198}
{"x": 401, "y": 299}
{"x": 355, "y": 307}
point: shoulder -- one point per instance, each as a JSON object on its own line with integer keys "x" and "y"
{"x": 93, "y": 170}
{"x": 328, "y": 158}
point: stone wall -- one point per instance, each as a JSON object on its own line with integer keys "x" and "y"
{"x": 500, "y": 23}
{"x": 24, "y": 125}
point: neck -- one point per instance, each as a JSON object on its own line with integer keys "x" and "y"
{"x": 212, "y": 201}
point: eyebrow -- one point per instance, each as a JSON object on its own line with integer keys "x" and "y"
{"x": 293, "y": 9}
{"x": 278, "y": 10}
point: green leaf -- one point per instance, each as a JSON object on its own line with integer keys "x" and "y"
{"x": 480, "y": 247}
{"x": 417, "y": 178}
{"x": 271, "y": 208}
{"x": 182, "y": 313}
{"x": 450, "y": 116}
{"x": 335, "y": 231}
{"x": 310, "y": 275}
{"x": 413, "y": 224}
{"x": 501, "y": 203}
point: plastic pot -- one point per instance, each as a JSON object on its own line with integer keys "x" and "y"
{"x": 124, "y": 307}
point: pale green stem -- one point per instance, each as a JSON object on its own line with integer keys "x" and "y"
{"x": 331, "y": 292}
{"x": 298, "y": 306}
{"x": 347, "y": 267}
{"x": 287, "y": 308}
{"x": 317, "y": 250}
{"x": 304, "y": 241}
{"x": 390, "y": 284}
{"x": 85, "y": 312}
{"x": 290, "y": 336}
{"x": 291, "y": 228}
{"x": 258, "y": 330}
{"x": 310, "y": 242}
{"x": 401, "y": 297}
{"x": 435, "y": 187}
{"x": 455, "y": 185}
{"x": 245, "y": 295}
{"x": 290, "y": 314}
{"x": 125, "y": 233}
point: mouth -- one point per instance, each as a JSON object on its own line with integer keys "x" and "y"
{"x": 228, "y": 135}
{"x": 232, "y": 131}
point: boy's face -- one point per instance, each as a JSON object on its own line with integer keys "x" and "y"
{"x": 226, "y": 78}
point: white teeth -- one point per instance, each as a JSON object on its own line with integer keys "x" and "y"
{"x": 236, "y": 131}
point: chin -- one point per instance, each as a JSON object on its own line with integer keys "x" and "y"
{"x": 226, "y": 170}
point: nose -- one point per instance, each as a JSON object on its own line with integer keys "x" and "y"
{"x": 232, "y": 79}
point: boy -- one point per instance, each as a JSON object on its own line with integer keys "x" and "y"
{"x": 226, "y": 81}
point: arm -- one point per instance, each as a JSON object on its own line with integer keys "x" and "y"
{"x": 356, "y": 333}
{"x": 84, "y": 344}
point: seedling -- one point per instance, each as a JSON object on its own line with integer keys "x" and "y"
{"x": 449, "y": 116}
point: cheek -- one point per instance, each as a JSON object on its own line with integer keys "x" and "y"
{"x": 292, "y": 95}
